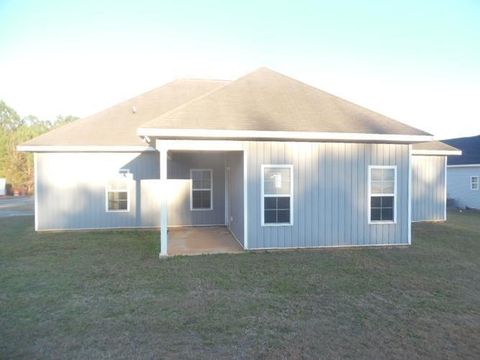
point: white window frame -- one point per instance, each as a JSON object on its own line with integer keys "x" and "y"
{"x": 210, "y": 189}
{"x": 121, "y": 173}
{"x": 471, "y": 182}
{"x": 262, "y": 199}
{"x": 109, "y": 190}
{"x": 370, "y": 195}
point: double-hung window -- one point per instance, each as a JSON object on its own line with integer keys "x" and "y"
{"x": 382, "y": 193}
{"x": 201, "y": 189}
{"x": 277, "y": 194}
{"x": 474, "y": 182}
{"x": 117, "y": 193}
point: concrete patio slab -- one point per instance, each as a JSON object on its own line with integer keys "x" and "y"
{"x": 202, "y": 240}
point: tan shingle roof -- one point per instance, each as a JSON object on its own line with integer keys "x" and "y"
{"x": 265, "y": 100}
{"x": 118, "y": 125}
{"x": 436, "y": 146}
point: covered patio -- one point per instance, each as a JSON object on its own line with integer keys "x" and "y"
{"x": 198, "y": 240}
{"x": 204, "y": 205}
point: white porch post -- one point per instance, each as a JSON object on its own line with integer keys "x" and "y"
{"x": 163, "y": 203}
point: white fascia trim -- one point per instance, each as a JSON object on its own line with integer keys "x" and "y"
{"x": 437, "y": 152}
{"x": 87, "y": 148}
{"x": 463, "y": 165}
{"x": 200, "y": 145}
{"x": 300, "y": 135}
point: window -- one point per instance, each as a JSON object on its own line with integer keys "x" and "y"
{"x": 117, "y": 193}
{"x": 474, "y": 182}
{"x": 382, "y": 189}
{"x": 277, "y": 194}
{"x": 201, "y": 189}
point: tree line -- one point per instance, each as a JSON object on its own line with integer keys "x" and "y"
{"x": 17, "y": 167}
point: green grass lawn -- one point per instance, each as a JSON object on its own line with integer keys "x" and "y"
{"x": 106, "y": 295}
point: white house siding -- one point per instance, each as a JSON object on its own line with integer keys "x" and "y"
{"x": 428, "y": 188}
{"x": 330, "y": 194}
{"x": 458, "y": 186}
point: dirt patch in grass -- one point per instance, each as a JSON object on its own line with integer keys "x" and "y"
{"x": 106, "y": 295}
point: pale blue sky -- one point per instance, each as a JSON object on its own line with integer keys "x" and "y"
{"x": 416, "y": 61}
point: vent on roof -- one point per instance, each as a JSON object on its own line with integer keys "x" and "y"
{"x": 134, "y": 109}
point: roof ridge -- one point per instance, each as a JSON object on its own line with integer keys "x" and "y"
{"x": 198, "y": 98}
{"x": 208, "y": 94}
{"x": 341, "y": 98}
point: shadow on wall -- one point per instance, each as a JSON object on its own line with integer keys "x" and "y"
{"x": 78, "y": 200}
{"x": 428, "y": 191}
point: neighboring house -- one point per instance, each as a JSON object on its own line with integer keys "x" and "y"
{"x": 281, "y": 163}
{"x": 464, "y": 173}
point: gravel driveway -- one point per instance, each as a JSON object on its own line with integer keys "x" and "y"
{"x": 16, "y": 206}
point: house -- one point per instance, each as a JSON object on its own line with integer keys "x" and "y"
{"x": 280, "y": 163}
{"x": 464, "y": 173}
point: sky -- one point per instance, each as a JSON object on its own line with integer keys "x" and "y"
{"x": 415, "y": 61}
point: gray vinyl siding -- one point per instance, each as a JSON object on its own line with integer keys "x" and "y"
{"x": 235, "y": 195}
{"x": 428, "y": 188}
{"x": 179, "y": 165}
{"x": 458, "y": 186}
{"x": 330, "y": 205}
{"x": 71, "y": 190}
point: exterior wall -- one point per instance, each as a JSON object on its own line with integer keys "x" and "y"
{"x": 71, "y": 189}
{"x": 458, "y": 180}
{"x": 179, "y": 165}
{"x": 428, "y": 188}
{"x": 330, "y": 205}
{"x": 235, "y": 195}
{"x": 330, "y": 194}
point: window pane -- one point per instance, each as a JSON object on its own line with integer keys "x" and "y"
{"x": 375, "y": 214}
{"x": 387, "y": 201}
{"x": 284, "y": 203}
{"x": 377, "y": 175}
{"x": 270, "y": 203}
{"x": 388, "y": 174}
{"x": 117, "y": 200}
{"x": 201, "y": 199}
{"x": 277, "y": 209}
{"x": 387, "y": 214}
{"x": 283, "y": 216}
{"x": 381, "y": 208}
{"x": 201, "y": 179}
{"x": 382, "y": 181}
{"x": 270, "y": 216}
{"x": 376, "y": 201}
{"x": 388, "y": 187}
{"x": 376, "y": 187}
{"x": 277, "y": 181}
